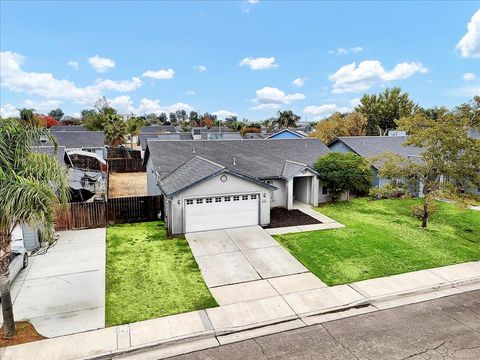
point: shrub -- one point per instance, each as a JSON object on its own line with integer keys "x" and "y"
{"x": 389, "y": 191}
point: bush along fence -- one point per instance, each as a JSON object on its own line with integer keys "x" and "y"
{"x": 113, "y": 211}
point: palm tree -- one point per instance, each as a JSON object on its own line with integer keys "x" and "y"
{"x": 287, "y": 119}
{"x": 134, "y": 125}
{"x": 32, "y": 187}
{"x": 115, "y": 130}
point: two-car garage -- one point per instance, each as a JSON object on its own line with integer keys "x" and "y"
{"x": 218, "y": 212}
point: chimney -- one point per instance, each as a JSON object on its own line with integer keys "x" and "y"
{"x": 234, "y": 161}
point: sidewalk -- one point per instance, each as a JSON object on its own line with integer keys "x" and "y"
{"x": 183, "y": 333}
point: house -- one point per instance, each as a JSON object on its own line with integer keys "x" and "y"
{"x": 91, "y": 141}
{"x": 196, "y": 133}
{"x": 288, "y": 134}
{"x": 372, "y": 146}
{"x": 230, "y": 183}
{"x": 68, "y": 128}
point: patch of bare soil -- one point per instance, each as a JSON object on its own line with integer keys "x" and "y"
{"x": 25, "y": 333}
{"x": 127, "y": 184}
{"x": 281, "y": 217}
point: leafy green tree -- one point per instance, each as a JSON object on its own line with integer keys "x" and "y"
{"x": 181, "y": 115}
{"x": 94, "y": 119}
{"x": 172, "y": 118}
{"x": 134, "y": 125}
{"x": 336, "y": 125}
{"x": 32, "y": 187}
{"x": 115, "y": 130}
{"x": 286, "y": 119}
{"x": 231, "y": 119}
{"x": 27, "y": 116}
{"x": 57, "y": 114}
{"x": 163, "y": 118}
{"x": 152, "y": 119}
{"x": 344, "y": 172}
{"x": 383, "y": 110}
{"x": 193, "y": 118}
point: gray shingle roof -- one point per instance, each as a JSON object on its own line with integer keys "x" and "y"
{"x": 68, "y": 128}
{"x": 50, "y": 150}
{"x": 261, "y": 159}
{"x": 371, "y": 146}
{"x": 192, "y": 171}
{"x": 79, "y": 139}
{"x": 155, "y": 129}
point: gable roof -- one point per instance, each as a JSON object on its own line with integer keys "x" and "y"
{"x": 293, "y": 132}
{"x": 194, "y": 171}
{"x": 292, "y": 168}
{"x": 261, "y": 159}
{"x": 371, "y": 146}
{"x": 68, "y": 128}
{"x": 156, "y": 129}
{"x": 79, "y": 139}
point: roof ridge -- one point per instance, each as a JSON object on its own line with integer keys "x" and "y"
{"x": 210, "y": 161}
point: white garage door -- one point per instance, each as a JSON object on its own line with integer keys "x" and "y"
{"x": 210, "y": 213}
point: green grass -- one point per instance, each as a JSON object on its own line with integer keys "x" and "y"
{"x": 149, "y": 275}
{"x": 382, "y": 238}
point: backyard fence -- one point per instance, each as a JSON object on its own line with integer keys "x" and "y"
{"x": 113, "y": 211}
{"x": 126, "y": 165}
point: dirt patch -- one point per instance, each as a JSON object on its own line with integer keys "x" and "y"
{"x": 127, "y": 184}
{"x": 25, "y": 333}
{"x": 281, "y": 217}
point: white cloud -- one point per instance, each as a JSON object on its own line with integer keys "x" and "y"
{"x": 260, "y": 63}
{"x": 73, "y": 64}
{"x": 190, "y": 92}
{"x": 465, "y": 91}
{"x": 124, "y": 104}
{"x": 222, "y": 114}
{"x": 323, "y": 111}
{"x": 273, "y": 98}
{"x": 45, "y": 85}
{"x": 42, "y": 105}
{"x": 200, "y": 68}
{"x": 299, "y": 82}
{"x": 350, "y": 78}
{"x": 469, "y": 76}
{"x": 100, "y": 64}
{"x": 469, "y": 44}
{"x": 248, "y": 4}
{"x": 8, "y": 110}
{"x": 344, "y": 51}
{"x": 159, "y": 74}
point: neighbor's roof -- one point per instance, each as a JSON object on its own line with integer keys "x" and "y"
{"x": 262, "y": 159}
{"x": 79, "y": 139}
{"x": 371, "y": 146}
{"x": 156, "y": 129}
{"x": 186, "y": 135}
{"x": 50, "y": 150}
{"x": 194, "y": 171}
{"x": 68, "y": 128}
{"x": 295, "y": 132}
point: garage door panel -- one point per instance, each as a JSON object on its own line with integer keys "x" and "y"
{"x": 218, "y": 215}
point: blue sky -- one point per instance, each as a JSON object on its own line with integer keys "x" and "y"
{"x": 240, "y": 57}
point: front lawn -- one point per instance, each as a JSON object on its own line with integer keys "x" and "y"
{"x": 382, "y": 238}
{"x": 149, "y": 275}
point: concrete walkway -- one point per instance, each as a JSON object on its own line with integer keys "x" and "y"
{"x": 326, "y": 222}
{"x": 246, "y": 263}
{"x": 63, "y": 291}
{"x": 184, "y": 333}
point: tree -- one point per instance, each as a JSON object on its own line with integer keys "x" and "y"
{"x": 27, "y": 116}
{"x": 193, "y": 118}
{"x": 343, "y": 172}
{"x": 172, "y": 118}
{"x": 181, "y": 115}
{"x": 231, "y": 119}
{"x": 134, "y": 125}
{"x": 57, "y": 114}
{"x": 32, "y": 187}
{"x": 287, "y": 119}
{"x": 163, "y": 118}
{"x": 352, "y": 124}
{"x": 115, "y": 130}
{"x": 448, "y": 152}
{"x": 94, "y": 119}
{"x": 45, "y": 120}
{"x": 152, "y": 119}
{"x": 383, "y": 110}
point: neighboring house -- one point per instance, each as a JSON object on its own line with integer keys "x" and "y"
{"x": 288, "y": 134}
{"x": 216, "y": 184}
{"x": 91, "y": 141}
{"x": 194, "y": 134}
{"x": 372, "y": 146}
{"x": 68, "y": 128}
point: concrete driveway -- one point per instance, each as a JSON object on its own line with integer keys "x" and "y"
{"x": 242, "y": 264}
{"x": 63, "y": 291}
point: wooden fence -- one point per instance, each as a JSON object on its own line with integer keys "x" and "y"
{"x": 113, "y": 211}
{"x": 126, "y": 165}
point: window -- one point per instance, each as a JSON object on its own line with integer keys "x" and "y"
{"x": 189, "y": 202}
{"x": 324, "y": 190}
{"x": 236, "y": 198}
{"x": 208, "y": 200}
{"x": 244, "y": 197}
{"x": 253, "y": 197}
{"x": 227, "y": 198}
{"x": 199, "y": 201}
{"x": 218, "y": 199}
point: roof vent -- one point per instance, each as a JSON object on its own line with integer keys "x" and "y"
{"x": 234, "y": 161}
{"x": 193, "y": 151}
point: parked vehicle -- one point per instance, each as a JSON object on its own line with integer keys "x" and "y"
{"x": 18, "y": 261}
